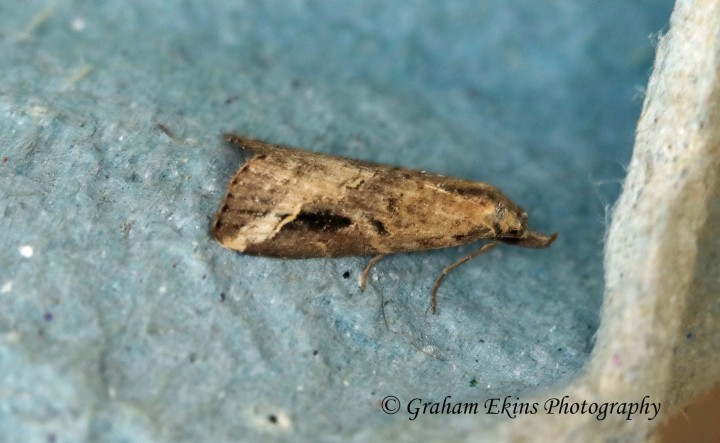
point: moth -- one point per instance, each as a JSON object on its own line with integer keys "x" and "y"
{"x": 292, "y": 204}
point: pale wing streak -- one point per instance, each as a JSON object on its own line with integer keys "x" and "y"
{"x": 295, "y": 194}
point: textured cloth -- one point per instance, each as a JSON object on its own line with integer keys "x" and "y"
{"x": 659, "y": 333}
{"x": 122, "y": 320}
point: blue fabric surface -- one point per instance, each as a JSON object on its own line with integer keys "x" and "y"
{"x": 122, "y": 320}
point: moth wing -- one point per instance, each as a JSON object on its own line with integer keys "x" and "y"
{"x": 265, "y": 210}
{"x": 289, "y": 203}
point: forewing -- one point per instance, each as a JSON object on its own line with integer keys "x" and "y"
{"x": 297, "y": 204}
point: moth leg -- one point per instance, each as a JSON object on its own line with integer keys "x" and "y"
{"x": 363, "y": 278}
{"x": 433, "y": 298}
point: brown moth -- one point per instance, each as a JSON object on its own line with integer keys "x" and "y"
{"x": 288, "y": 203}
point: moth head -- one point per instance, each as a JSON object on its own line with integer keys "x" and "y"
{"x": 511, "y": 227}
{"x": 510, "y": 220}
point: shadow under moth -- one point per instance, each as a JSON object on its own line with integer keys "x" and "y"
{"x": 288, "y": 203}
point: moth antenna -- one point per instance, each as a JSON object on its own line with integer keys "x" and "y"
{"x": 467, "y": 258}
{"x": 366, "y": 271}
